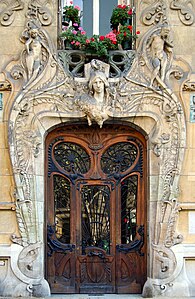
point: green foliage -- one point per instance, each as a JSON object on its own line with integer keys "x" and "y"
{"x": 121, "y": 14}
{"x": 73, "y": 13}
{"x": 99, "y": 45}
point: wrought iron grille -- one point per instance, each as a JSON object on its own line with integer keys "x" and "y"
{"x": 62, "y": 208}
{"x": 72, "y": 157}
{"x": 95, "y": 215}
{"x": 128, "y": 209}
{"x": 118, "y": 157}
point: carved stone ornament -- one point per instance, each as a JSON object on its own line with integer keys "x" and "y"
{"x": 185, "y": 10}
{"x": 8, "y": 9}
{"x": 189, "y": 86}
{"x": 49, "y": 96}
{"x": 40, "y": 10}
{"x": 5, "y": 86}
{"x": 154, "y": 13}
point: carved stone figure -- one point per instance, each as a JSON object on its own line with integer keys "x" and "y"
{"x": 95, "y": 104}
{"x": 98, "y": 87}
{"x": 160, "y": 46}
{"x": 35, "y": 48}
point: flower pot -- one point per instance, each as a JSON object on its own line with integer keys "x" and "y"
{"x": 67, "y": 45}
{"x": 114, "y": 27}
{"x": 127, "y": 44}
{"x": 65, "y": 21}
{"x": 126, "y": 22}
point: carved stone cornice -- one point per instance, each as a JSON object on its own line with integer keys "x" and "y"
{"x": 8, "y": 9}
{"x": 185, "y": 11}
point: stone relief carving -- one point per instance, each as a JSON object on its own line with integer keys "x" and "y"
{"x": 185, "y": 10}
{"x": 8, "y": 9}
{"x": 154, "y": 13}
{"x": 27, "y": 260}
{"x": 160, "y": 45}
{"x": 38, "y": 10}
{"x": 5, "y": 86}
{"x": 189, "y": 86}
{"x": 36, "y": 54}
{"x": 145, "y": 90}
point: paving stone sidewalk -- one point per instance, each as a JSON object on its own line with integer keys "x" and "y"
{"x": 107, "y": 296}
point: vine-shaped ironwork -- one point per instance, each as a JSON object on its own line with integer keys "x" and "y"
{"x": 54, "y": 245}
{"x": 72, "y": 157}
{"x": 119, "y": 157}
{"x": 136, "y": 245}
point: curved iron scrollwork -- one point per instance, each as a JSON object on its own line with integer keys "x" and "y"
{"x": 54, "y": 245}
{"x": 119, "y": 157}
{"x": 73, "y": 160}
{"x": 134, "y": 246}
{"x": 72, "y": 157}
{"x": 73, "y": 61}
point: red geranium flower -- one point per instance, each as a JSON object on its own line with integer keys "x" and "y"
{"x": 130, "y": 11}
{"x": 130, "y": 27}
{"x": 102, "y": 37}
{"x": 138, "y": 32}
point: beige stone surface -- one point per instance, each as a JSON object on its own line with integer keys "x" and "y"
{"x": 5, "y": 164}
{"x": 6, "y": 188}
{"x": 3, "y": 134}
{"x": 8, "y": 226}
{"x": 183, "y": 227}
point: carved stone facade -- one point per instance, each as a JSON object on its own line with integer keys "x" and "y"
{"x": 148, "y": 97}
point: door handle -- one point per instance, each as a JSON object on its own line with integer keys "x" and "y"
{"x": 94, "y": 253}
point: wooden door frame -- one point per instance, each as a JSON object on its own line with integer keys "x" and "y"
{"x": 134, "y": 133}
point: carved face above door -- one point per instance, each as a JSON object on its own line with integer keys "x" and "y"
{"x": 96, "y": 209}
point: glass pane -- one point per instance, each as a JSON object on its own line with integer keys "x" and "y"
{"x": 128, "y": 209}
{"x": 62, "y": 208}
{"x": 95, "y": 215}
{"x": 72, "y": 157}
{"x": 118, "y": 157}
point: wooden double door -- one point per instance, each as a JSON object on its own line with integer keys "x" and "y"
{"x": 95, "y": 210}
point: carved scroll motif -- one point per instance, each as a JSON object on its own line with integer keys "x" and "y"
{"x": 7, "y": 14}
{"x": 189, "y": 86}
{"x": 38, "y": 10}
{"x": 154, "y": 14}
{"x": 5, "y": 86}
{"x": 185, "y": 11}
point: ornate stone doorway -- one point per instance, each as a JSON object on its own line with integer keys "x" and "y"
{"x": 96, "y": 209}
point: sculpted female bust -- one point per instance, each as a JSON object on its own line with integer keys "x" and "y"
{"x": 95, "y": 104}
{"x": 98, "y": 87}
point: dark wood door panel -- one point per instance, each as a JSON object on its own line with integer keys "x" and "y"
{"x": 96, "y": 207}
{"x": 61, "y": 272}
{"x": 96, "y": 271}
